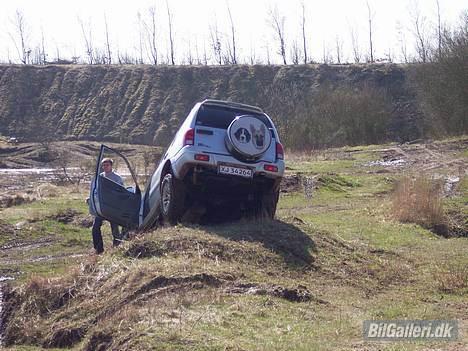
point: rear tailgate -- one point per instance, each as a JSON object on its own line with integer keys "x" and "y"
{"x": 210, "y": 130}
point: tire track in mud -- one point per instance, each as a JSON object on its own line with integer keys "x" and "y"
{"x": 27, "y": 245}
{"x": 40, "y": 259}
{"x": 2, "y": 308}
{"x": 1, "y": 314}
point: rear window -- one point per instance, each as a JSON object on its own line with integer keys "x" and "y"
{"x": 221, "y": 117}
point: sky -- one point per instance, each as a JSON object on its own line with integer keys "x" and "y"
{"x": 327, "y": 23}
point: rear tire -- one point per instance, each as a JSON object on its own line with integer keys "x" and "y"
{"x": 172, "y": 199}
{"x": 266, "y": 201}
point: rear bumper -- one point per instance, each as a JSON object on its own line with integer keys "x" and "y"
{"x": 185, "y": 161}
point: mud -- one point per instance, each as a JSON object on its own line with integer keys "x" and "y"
{"x": 1, "y": 313}
{"x": 299, "y": 294}
{"x": 5, "y": 309}
{"x": 19, "y": 244}
{"x": 66, "y": 216}
{"x": 6, "y": 229}
{"x": 197, "y": 281}
{"x": 72, "y": 216}
{"x": 145, "y": 249}
{"x": 99, "y": 341}
{"x": 36, "y": 259}
{"x": 14, "y": 200}
{"x": 457, "y": 224}
{"x": 291, "y": 183}
{"x": 298, "y": 183}
{"x": 64, "y": 338}
{"x": 422, "y": 157}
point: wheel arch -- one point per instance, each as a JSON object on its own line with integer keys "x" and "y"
{"x": 165, "y": 170}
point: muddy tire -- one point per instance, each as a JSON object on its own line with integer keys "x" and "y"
{"x": 266, "y": 204}
{"x": 172, "y": 199}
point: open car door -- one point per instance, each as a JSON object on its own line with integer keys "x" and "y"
{"x": 110, "y": 200}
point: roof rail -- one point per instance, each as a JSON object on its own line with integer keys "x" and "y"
{"x": 232, "y": 104}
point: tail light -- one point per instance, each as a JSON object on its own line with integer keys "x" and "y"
{"x": 270, "y": 168}
{"x": 189, "y": 138}
{"x": 279, "y": 151}
{"x": 202, "y": 157}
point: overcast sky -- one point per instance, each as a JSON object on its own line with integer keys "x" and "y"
{"x": 326, "y": 23}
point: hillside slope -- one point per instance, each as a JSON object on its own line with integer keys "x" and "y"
{"x": 146, "y": 104}
{"x": 334, "y": 257}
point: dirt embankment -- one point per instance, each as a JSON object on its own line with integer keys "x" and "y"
{"x": 50, "y": 155}
{"x": 146, "y": 104}
{"x": 181, "y": 285}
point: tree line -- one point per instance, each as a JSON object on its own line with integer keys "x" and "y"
{"x": 222, "y": 45}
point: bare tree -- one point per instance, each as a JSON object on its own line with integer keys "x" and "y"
{"x": 233, "y": 53}
{"x": 189, "y": 56}
{"x": 326, "y": 54}
{"x": 8, "y": 56}
{"x": 277, "y": 23}
{"x": 21, "y": 37}
{"x": 252, "y": 57}
{"x": 57, "y": 53}
{"x": 402, "y": 42}
{"x": 99, "y": 56}
{"x": 216, "y": 43}
{"x": 267, "y": 51}
{"x": 205, "y": 55}
{"x": 150, "y": 34}
{"x": 125, "y": 58}
{"x": 197, "y": 52}
{"x": 338, "y": 48}
{"x": 304, "y": 39}
{"x": 419, "y": 30}
{"x": 109, "y": 54}
{"x": 43, "y": 53}
{"x": 295, "y": 52}
{"x": 86, "y": 30}
{"x": 140, "y": 37}
{"x": 439, "y": 30}
{"x": 171, "y": 34}
{"x": 389, "y": 54}
{"x": 370, "y": 16}
{"x": 355, "y": 44}
{"x": 36, "y": 56}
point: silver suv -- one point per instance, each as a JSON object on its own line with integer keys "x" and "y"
{"x": 225, "y": 162}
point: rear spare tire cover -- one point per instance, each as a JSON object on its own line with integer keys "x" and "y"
{"x": 248, "y": 136}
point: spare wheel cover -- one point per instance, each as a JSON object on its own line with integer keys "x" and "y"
{"x": 249, "y": 136}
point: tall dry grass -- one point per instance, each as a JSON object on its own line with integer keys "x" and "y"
{"x": 452, "y": 279}
{"x": 419, "y": 200}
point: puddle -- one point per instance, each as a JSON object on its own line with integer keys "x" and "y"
{"x": 387, "y": 163}
{"x": 450, "y": 183}
{"x": 17, "y": 171}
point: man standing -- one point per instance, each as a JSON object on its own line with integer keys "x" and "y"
{"x": 106, "y": 165}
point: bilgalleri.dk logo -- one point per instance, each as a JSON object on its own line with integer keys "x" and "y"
{"x": 395, "y": 330}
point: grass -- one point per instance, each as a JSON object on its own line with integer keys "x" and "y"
{"x": 46, "y": 246}
{"x": 419, "y": 201}
{"x": 222, "y": 287}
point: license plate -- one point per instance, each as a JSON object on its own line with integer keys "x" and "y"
{"x": 237, "y": 171}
